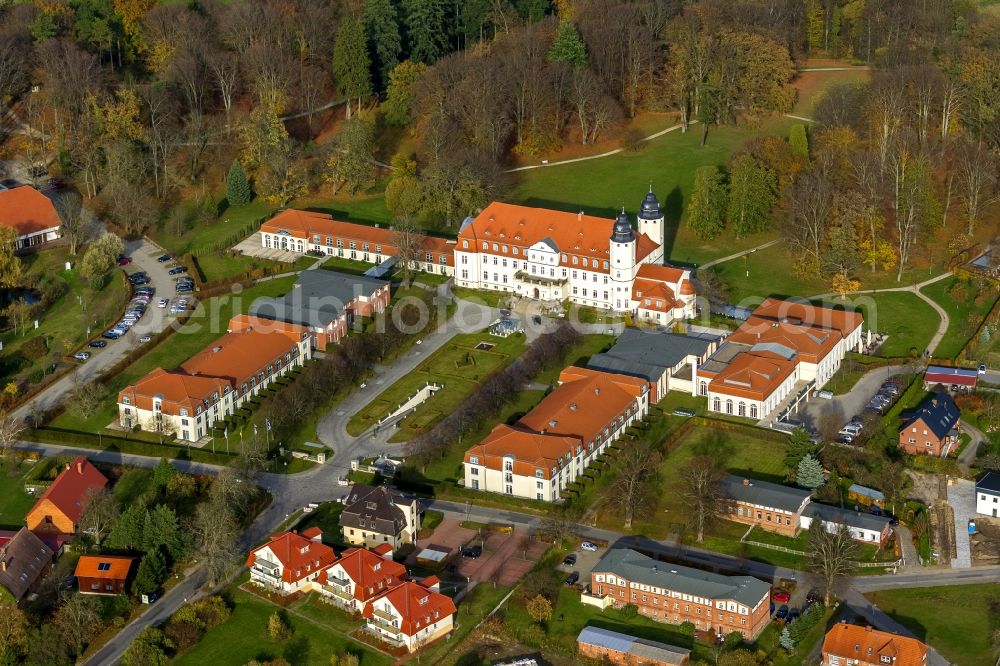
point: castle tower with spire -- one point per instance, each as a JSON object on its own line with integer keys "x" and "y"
{"x": 651, "y": 223}
{"x": 622, "y": 255}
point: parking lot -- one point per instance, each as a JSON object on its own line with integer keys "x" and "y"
{"x": 586, "y": 560}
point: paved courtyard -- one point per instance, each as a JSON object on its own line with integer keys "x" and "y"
{"x": 252, "y": 246}
{"x": 962, "y": 498}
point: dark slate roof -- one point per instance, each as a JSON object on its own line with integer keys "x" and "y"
{"x": 25, "y": 559}
{"x": 641, "y": 648}
{"x": 990, "y": 482}
{"x": 939, "y": 413}
{"x": 319, "y": 297}
{"x": 763, "y": 493}
{"x": 376, "y": 507}
{"x": 834, "y": 514}
{"x": 646, "y": 354}
{"x": 636, "y": 567}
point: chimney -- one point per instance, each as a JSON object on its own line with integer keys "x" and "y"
{"x": 746, "y": 482}
{"x": 579, "y": 216}
{"x": 3, "y": 564}
{"x": 79, "y": 467}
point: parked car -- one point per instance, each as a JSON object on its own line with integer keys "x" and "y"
{"x": 98, "y": 344}
{"x": 163, "y": 302}
{"x": 124, "y": 261}
{"x": 781, "y": 614}
{"x": 823, "y": 393}
{"x": 586, "y": 545}
{"x": 875, "y": 511}
{"x": 177, "y": 270}
{"x": 982, "y": 368}
{"x": 781, "y": 596}
{"x": 110, "y": 335}
{"x": 81, "y": 356}
{"x": 145, "y": 338}
{"x": 792, "y": 616}
{"x": 572, "y": 578}
{"x": 164, "y": 258}
{"x": 570, "y": 559}
{"x": 813, "y": 596}
{"x": 472, "y": 552}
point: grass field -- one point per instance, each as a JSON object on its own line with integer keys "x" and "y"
{"x": 458, "y": 367}
{"x": 909, "y": 321}
{"x": 243, "y": 637}
{"x": 64, "y": 323}
{"x": 964, "y": 316}
{"x": 206, "y": 324}
{"x": 957, "y": 621}
{"x": 14, "y": 502}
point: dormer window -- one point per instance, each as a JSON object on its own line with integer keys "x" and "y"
{"x": 886, "y": 659}
{"x": 424, "y": 600}
{"x": 371, "y": 505}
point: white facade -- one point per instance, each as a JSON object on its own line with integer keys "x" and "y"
{"x": 386, "y": 622}
{"x": 988, "y": 502}
{"x": 857, "y": 532}
{"x": 750, "y": 408}
{"x": 267, "y": 571}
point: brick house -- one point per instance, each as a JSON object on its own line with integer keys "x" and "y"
{"x": 674, "y": 594}
{"x": 933, "y": 429}
{"x": 59, "y": 508}
{"x": 102, "y": 574}
{"x": 359, "y": 576}
{"x": 291, "y": 562}
{"x": 851, "y": 645}
{"x": 327, "y": 303}
{"x": 604, "y": 645}
{"x": 770, "y": 506}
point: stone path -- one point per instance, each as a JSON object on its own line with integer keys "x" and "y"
{"x": 962, "y": 498}
{"x": 709, "y": 264}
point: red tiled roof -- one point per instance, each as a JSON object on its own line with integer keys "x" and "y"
{"x": 523, "y": 226}
{"x": 312, "y": 532}
{"x": 812, "y": 343}
{"x": 369, "y": 571}
{"x": 305, "y": 224}
{"x": 27, "y": 210}
{"x": 103, "y": 566}
{"x": 753, "y": 375}
{"x": 382, "y": 549}
{"x": 531, "y": 450}
{"x": 843, "y": 321}
{"x": 418, "y": 606}
{"x": 299, "y": 556}
{"x": 850, "y": 642}
{"x": 70, "y": 491}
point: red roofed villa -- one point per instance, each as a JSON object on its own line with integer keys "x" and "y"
{"x": 31, "y": 214}
{"x": 291, "y": 562}
{"x": 411, "y": 614}
{"x": 59, "y": 508}
{"x": 360, "y": 575}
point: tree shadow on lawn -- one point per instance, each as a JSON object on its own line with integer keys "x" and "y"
{"x": 758, "y": 476}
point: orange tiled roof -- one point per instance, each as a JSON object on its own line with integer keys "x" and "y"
{"x": 584, "y": 403}
{"x": 812, "y": 343}
{"x": 418, "y": 606}
{"x": 659, "y": 273}
{"x": 523, "y": 226}
{"x": 849, "y": 641}
{"x": 70, "y": 489}
{"x": 753, "y": 375}
{"x": 103, "y": 566}
{"x": 842, "y": 321}
{"x": 299, "y": 556}
{"x": 27, "y": 210}
{"x": 178, "y": 390}
{"x": 369, "y": 571}
{"x": 305, "y": 224}
{"x": 531, "y": 450}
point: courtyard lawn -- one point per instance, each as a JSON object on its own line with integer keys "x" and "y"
{"x": 964, "y": 315}
{"x": 578, "y": 355}
{"x": 457, "y": 367}
{"x": 345, "y": 265}
{"x": 64, "y": 323}
{"x": 909, "y": 321}
{"x": 601, "y": 186}
{"x": 494, "y": 299}
{"x": 207, "y": 323}
{"x": 957, "y": 620}
{"x": 243, "y": 637}
{"x": 740, "y": 451}
{"x": 14, "y": 502}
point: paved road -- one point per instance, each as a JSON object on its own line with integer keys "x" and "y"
{"x": 143, "y": 256}
{"x": 962, "y": 499}
{"x": 968, "y": 456}
{"x": 709, "y": 264}
{"x": 859, "y": 605}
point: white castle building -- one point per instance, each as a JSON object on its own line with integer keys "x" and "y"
{"x": 555, "y": 256}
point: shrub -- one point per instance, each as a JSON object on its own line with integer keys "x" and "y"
{"x": 632, "y": 140}
{"x": 212, "y": 611}
{"x": 630, "y": 611}
{"x": 183, "y": 635}
{"x": 35, "y": 348}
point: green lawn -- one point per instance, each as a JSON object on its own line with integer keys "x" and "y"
{"x": 64, "y": 323}
{"x": 964, "y": 315}
{"x": 458, "y": 367}
{"x": 244, "y": 637}
{"x": 327, "y": 518}
{"x": 909, "y": 321}
{"x": 957, "y": 621}
{"x": 207, "y": 323}
{"x": 494, "y": 299}
{"x": 14, "y": 502}
{"x": 578, "y": 355}
{"x": 601, "y": 186}
{"x": 345, "y": 265}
